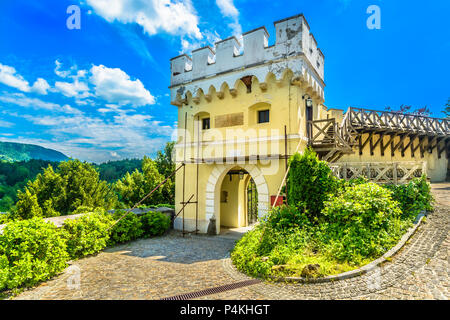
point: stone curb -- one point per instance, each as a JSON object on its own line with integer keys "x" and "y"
{"x": 358, "y": 272}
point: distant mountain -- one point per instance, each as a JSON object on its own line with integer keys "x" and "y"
{"x": 11, "y": 151}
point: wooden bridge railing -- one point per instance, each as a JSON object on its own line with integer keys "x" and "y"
{"x": 380, "y": 172}
{"x": 358, "y": 118}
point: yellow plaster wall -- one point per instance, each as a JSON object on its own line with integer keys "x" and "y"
{"x": 287, "y": 108}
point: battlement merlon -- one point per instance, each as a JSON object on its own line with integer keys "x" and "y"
{"x": 294, "y": 47}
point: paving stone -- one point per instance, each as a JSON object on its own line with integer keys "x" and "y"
{"x": 172, "y": 265}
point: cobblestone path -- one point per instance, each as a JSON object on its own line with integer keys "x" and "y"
{"x": 172, "y": 265}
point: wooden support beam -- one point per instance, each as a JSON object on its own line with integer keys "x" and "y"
{"x": 362, "y": 146}
{"x": 433, "y": 144}
{"x": 384, "y": 147}
{"x": 419, "y": 145}
{"x": 423, "y": 147}
{"x": 373, "y": 146}
{"x": 444, "y": 146}
{"x": 395, "y": 147}
{"x": 411, "y": 140}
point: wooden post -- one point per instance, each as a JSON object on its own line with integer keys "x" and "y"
{"x": 394, "y": 173}
{"x": 345, "y": 171}
{"x": 184, "y": 161}
{"x": 285, "y": 160}
{"x": 196, "y": 185}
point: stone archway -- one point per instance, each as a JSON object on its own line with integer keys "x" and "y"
{"x": 214, "y": 184}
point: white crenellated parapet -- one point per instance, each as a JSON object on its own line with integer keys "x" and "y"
{"x": 295, "y": 49}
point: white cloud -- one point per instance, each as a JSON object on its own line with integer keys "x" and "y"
{"x": 228, "y": 9}
{"x": 59, "y": 72}
{"x": 115, "y": 86}
{"x": 41, "y": 86}
{"x": 94, "y": 138}
{"x": 9, "y": 77}
{"x": 6, "y": 124}
{"x": 73, "y": 89}
{"x": 173, "y": 17}
{"x": 20, "y": 99}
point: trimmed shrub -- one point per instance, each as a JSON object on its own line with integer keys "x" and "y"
{"x": 310, "y": 182}
{"x": 362, "y": 222}
{"x": 154, "y": 223}
{"x": 127, "y": 229}
{"x": 88, "y": 234}
{"x": 34, "y": 251}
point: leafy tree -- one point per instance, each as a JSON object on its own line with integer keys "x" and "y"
{"x": 72, "y": 185}
{"x": 447, "y": 109}
{"x": 112, "y": 171}
{"x": 165, "y": 162}
{"x": 27, "y": 207}
{"x": 135, "y": 186}
{"x": 15, "y": 175}
{"x": 310, "y": 181}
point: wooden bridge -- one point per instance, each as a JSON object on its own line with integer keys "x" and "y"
{"x": 362, "y": 127}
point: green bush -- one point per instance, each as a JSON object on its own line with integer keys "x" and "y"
{"x": 4, "y": 271}
{"x": 31, "y": 251}
{"x": 362, "y": 222}
{"x": 285, "y": 218}
{"x": 88, "y": 234}
{"x": 310, "y": 181}
{"x": 413, "y": 197}
{"x": 154, "y": 223}
{"x": 127, "y": 229}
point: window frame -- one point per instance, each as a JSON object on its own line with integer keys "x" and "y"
{"x": 209, "y": 123}
{"x": 259, "y": 112}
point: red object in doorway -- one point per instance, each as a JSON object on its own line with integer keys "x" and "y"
{"x": 279, "y": 203}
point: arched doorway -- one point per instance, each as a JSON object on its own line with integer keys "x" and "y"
{"x": 229, "y": 208}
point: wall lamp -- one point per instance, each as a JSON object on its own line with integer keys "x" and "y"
{"x": 309, "y": 102}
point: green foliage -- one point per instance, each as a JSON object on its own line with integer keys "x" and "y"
{"x": 154, "y": 223}
{"x": 446, "y": 110}
{"x": 310, "y": 182}
{"x": 27, "y": 207}
{"x": 363, "y": 222}
{"x": 413, "y": 197}
{"x": 165, "y": 164}
{"x": 88, "y": 234}
{"x": 135, "y": 186}
{"x": 112, "y": 171}
{"x": 360, "y": 221}
{"x": 14, "y": 176}
{"x": 30, "y": 251}
{"x": 127, "y": 229}
{"x": 60, "y": 192}
{"x": 285, "y": 218}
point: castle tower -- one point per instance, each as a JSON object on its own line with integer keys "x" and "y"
{"x": 239, "y": 117}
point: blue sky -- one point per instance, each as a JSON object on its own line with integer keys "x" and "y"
{"x": 101, "y": 93}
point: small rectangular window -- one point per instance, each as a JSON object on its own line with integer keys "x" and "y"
{"x": 263, "y": 116}
{"x": 205, "y": 124}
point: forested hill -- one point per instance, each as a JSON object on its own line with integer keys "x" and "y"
{"x": 11, "y": 151}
